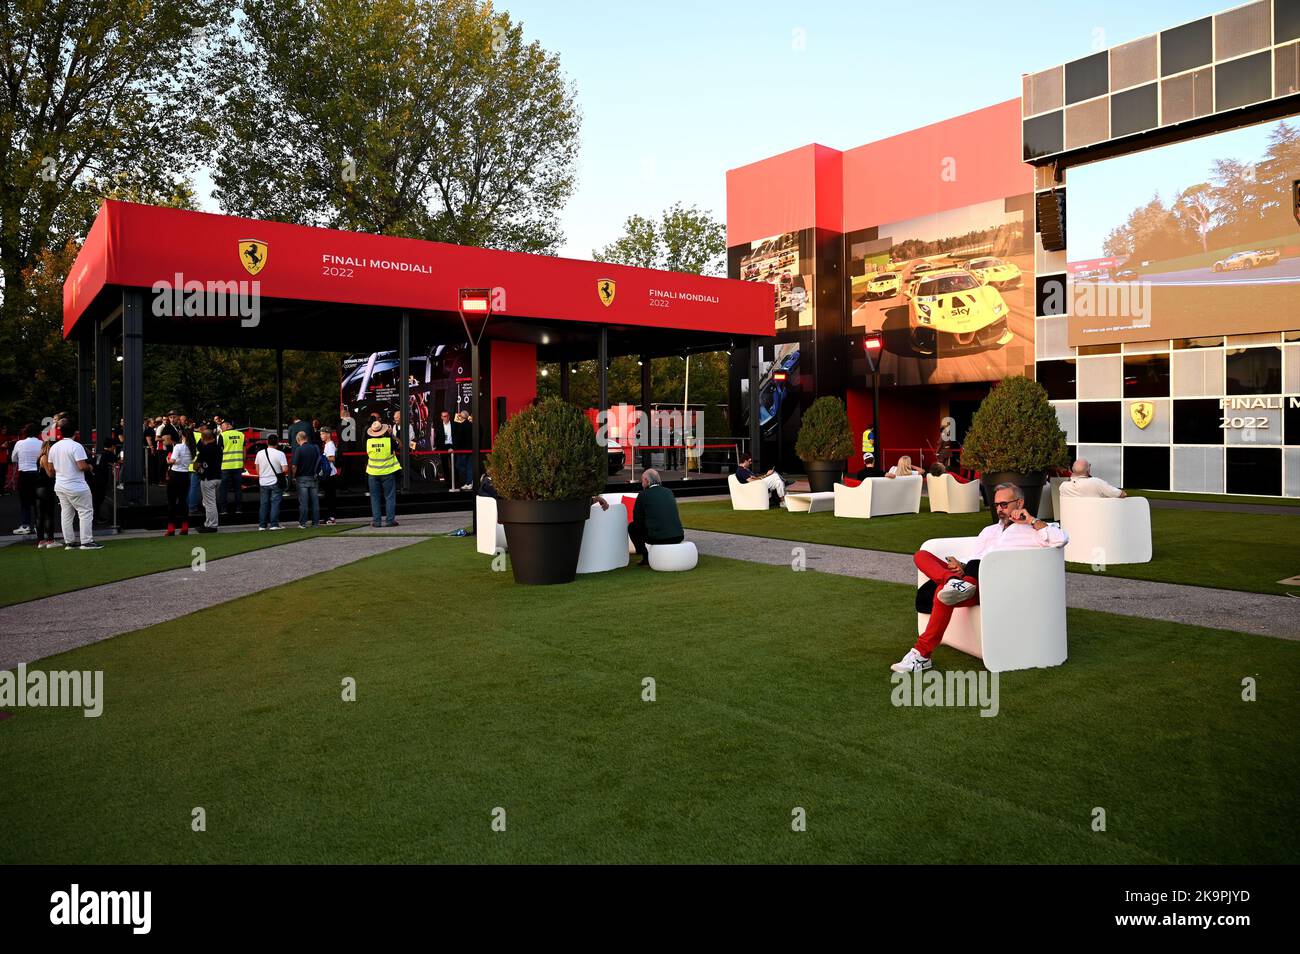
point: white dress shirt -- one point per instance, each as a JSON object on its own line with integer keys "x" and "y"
{"x": 1017, "y": 536}
{"x": 1088, "y": 487}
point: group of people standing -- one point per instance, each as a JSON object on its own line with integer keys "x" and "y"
{"x": 52, "y": 471}
{"x": 205, "y": 466}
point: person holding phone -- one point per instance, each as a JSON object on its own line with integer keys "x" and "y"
{"x": 955, "y": 583}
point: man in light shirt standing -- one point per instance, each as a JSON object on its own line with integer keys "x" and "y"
{"x": 957, "y": 583}
{"x": 1083, "y": 484}
{"x": 26, "y": 453}
{"x": 68, "y": 459}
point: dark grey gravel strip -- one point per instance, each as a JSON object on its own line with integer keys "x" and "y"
{"x": 1258, "y": 613}
{"x": 1272, "y": 510}
{"x": 55, "y": 624}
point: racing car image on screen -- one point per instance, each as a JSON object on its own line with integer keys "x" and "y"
{"x": 1249, "y": 259}
{"x": 772, "y": 393}
{"x": 995, "y": 272}
{"x": 952, "y": 309}
{"x": 883, "y": 285}
{"x": 921, "y": 272}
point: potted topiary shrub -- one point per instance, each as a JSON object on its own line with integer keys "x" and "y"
{"x": 546, "y": 466}
{"x": 1015, "y": 437}
{"x": 824, "y": 443}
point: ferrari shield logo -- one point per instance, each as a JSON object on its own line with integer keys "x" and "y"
{"x": 252, "y": 255}
{"x": 1142, "y": 412}
{"x": 605, "y": 289}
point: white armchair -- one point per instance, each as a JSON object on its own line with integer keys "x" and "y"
{"x": 1020, "y": 620}
{"x": 1049, "y": 504}
{"x": 604, "y": 540}
{"x": 612, "y": 499}
{"x": 490, "y": 536}
{"x": 879, "y": 496}
{"x": 951, "y": 496}
{"x": 750, "y": 496}
{"x": 1107, "y": 529}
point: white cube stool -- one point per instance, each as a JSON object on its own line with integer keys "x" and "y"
{"x": 672, "y": 557}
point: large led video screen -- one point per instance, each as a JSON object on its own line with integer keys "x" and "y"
{"x": 953, "y": 292}
{"x": 786, "y": 262}
{"x": 439, "y": 381}
{"x": 1195, "y": 238}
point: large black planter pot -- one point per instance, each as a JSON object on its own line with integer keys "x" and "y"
{"x": 1031, "y": 485}
{"x": 822, "y": 474}
{"x": 544, "y": 537}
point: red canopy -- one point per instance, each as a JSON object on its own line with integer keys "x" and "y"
{"x": 133, "y": 245}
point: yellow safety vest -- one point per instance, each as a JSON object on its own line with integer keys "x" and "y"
{"x": 868, "y": 442}
{"x": 198, "y": 439}
{"x": 380, "y": 459}
{"x": 232, "y": 454}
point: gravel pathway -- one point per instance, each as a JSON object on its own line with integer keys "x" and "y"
{"x": 55, "y": 624}
{"x": 1261, "y": 614}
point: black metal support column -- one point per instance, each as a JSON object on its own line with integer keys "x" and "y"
{"x": 474, "y": 415}
{"x": 753, "y": 402}
{"x": 602, "y": 368}
{"x": 643, "y": 432}
{"x": 404, "y": 398}
{"x": 564, "y": 380}
{"x": 133, "y": 464}
{"x": 103, "y": 386}
{"x": 85, "y": 375}
{"x": 279, "y": 392}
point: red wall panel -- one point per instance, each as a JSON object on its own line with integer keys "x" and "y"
{"x": 799, "y": 189}
{"x": 513, "y": 377}
{"x": 960, "y": 161}
{"x": 908, "y": 418}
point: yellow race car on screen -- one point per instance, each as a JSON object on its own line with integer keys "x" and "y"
{"x": 995, "y": 272}
{"x": 952, "y": 309}
{"x": 883, "y": 285}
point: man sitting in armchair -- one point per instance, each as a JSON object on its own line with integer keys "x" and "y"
{"x": 957, "y": 583}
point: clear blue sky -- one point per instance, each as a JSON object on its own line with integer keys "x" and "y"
{"x": 675, "y": 93}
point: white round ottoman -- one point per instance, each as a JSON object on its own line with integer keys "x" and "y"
{"x": 673, "y": 557}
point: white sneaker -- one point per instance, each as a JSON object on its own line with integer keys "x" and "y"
{"x": 912, "y": 662}
{"x": 22, "y": 531}
{"x": 956, "y": 591}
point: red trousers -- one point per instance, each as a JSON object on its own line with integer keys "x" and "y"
{"x": 940, "y": 613}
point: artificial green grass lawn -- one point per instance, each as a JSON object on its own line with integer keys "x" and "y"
{"x": 1232, "y": 551}
{"x": 773, "y": 692}
{"x": 31, "y": 574}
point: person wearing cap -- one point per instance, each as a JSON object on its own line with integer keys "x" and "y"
{"x": 381, "y": 474}
{"x": 869, "y": 468}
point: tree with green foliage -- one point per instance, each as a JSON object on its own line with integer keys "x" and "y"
{"x": 429, "y": 119}
{"x": 682, "y": 240}
{"x": 97, "y": 100}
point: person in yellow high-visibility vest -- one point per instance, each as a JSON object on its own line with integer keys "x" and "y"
{"x": 232, "y": 468}
{"x": 381, "y": 474}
